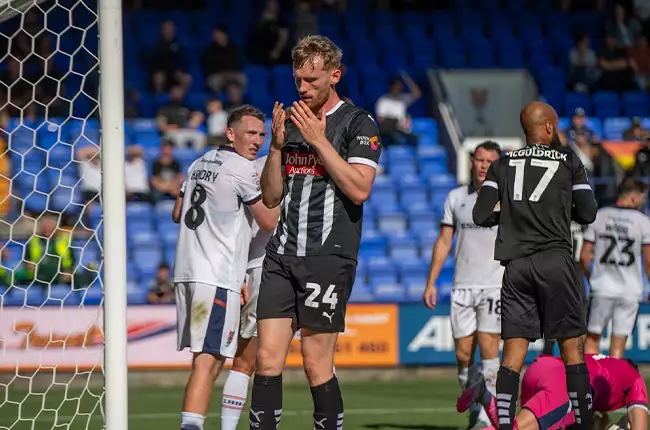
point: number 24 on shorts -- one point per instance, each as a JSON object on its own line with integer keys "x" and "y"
{"x": 329, "y": 298}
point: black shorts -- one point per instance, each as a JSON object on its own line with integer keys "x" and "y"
{"x": 314, "y": 290}
{"x": 542, "y": 296}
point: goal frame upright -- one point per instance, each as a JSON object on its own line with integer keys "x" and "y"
{"x": 111, "y": 69}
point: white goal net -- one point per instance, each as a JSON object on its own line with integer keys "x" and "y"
{"x": 51, "y": 256}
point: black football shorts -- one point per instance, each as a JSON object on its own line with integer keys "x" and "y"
{"x": 542, "y": 296}
{"x": 313, "y": 289}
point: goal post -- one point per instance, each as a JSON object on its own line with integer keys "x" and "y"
{"x": 114, "y": 213}
{"x": 63, "y": 253}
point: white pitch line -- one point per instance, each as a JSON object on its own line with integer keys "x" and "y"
{"x": 297, "y": 413}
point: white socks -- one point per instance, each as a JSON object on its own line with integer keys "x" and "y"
{"x": 233, "y": 399}
{"x": 489, "y": 370}
{"x": 191, "y": 421}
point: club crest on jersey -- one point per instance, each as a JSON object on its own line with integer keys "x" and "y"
{"x": 303, "y": 163}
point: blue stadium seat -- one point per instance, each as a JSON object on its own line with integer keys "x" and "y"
{"x": 425, "y": 126}
{"x": 386, "y": 196}
{"x": 443, "y": 180}
{"x": 62, "y": 295}
{"x": 415, "y": 287}
{"x": 613, "y": 128}
{"x": 361, "y": 292}
{"x": 577, "y": 100}
{"x": 431, "y": 168}
{"x": 635, "y": 104}
{"x": 413, "y": 266}
{"x": 606, "y": 104}
{"x": 403, "y": 249}
{"x": 414, "y": 194}
{"x": 144, "y": 239}
{"x": 147, "y": 260}
{"x": 390, "y": 222}
{"x": 388, "y": 292}
{"x": 372, "y": 245}
{"x": 138, "y": 211}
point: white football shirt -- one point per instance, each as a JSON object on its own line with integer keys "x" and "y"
{"x": 215, "y": 233}
{"x": 257, "y": 249}
{"x": 618, "y": 235}
{"x": 474, "y": 255}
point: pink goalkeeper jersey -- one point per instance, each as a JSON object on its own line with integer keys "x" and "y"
{"x": 616, "y": 383}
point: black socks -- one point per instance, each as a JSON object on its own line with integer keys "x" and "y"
{"x": 579, "y": 388}
{"x": 266, "y": 402}
{"x": 507, "y": 396}
{"x": 328, "y": 405}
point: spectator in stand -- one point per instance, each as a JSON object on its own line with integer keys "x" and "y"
{"x": 234, "y": 97}
{"x": 635, "y": 132}
{"x": 305, "y": 21}
{"x": 169, "y": 61}
{"x": 167, "y": 177}
{"x": 268, "y": 39}
{"x": 578, "y": 128}
{"x": 584, "y": 66}
{"x": 391, "y": 109}
{"x": 21, "y": 89}
{"x": 223, "y": 62}
{"x": 623, "y": 27}
{"x": 603, "y": 170}
{"x": 161, "y": 290}
{"x": 642, "y": 12}
{"x": 90, "y": 173}
{"x": 178, "y": 123}
{"x": 639, "y": 55}
{"x": 49, "y": 83}
{"x": 617, "y": 73}
{"x": 641, "y": 167}
{"x": 132, "y": 100}
{"x": 216, "y": 123}
{"x": 135, "y": 175}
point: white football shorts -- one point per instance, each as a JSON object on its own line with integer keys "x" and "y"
{"x": 475, "y": 309}
{"x": 622, "y": 314}
{"x": 249, "y": 311}
{"x": 207, "y": 318}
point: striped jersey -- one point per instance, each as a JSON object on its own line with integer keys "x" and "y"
{"x": 618, "y": 235}
{"x": 316, "y": 217}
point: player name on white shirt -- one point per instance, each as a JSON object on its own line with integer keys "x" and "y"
{"x": 474, "y": 255}
{"x": 260, "y": 238}
{"x": 618, "y": 235}
{"x": 215, "y": 231}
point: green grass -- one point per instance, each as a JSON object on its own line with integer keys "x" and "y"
{"x": 387, "y": 405}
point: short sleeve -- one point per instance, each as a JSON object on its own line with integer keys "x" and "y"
{"x": 184, "y": 183}
{"x": 364, "y": 146}
{"x": 448, "y": 218}
{"x": 580, "y": 179}
{"x": 645, "y": 231}
{"x": 247, "y": 184}
{"x": 590, "y": 232}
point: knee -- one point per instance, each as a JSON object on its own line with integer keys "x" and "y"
{"x": 242, "y": 365}
{"x": 267, "y": 361}
{"x": 317, "y": 370}
{"x": 208, "y": 366}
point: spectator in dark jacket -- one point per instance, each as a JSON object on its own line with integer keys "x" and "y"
{"x": 223, "y": 62}
{"x": 169, "y": 61}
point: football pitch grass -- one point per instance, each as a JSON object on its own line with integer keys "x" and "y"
{"x": 388, "y": 405}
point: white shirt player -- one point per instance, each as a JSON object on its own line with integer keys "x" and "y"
{"x": 618, "y": 235}
{"x": 474, "y": 269}
{"x": 215, "y": 232}
{"x": 259, "y": 238}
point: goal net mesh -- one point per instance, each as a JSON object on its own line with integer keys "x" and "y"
{"x": 51, "y": 335}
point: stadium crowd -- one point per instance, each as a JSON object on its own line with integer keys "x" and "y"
{"x": 192, "y": 115}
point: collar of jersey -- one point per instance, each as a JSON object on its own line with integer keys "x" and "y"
{"x": 470, "y": 188}
{"x": 229, "y": 149}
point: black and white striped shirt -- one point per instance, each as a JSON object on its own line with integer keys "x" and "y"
{"x": 317, "y": 218}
